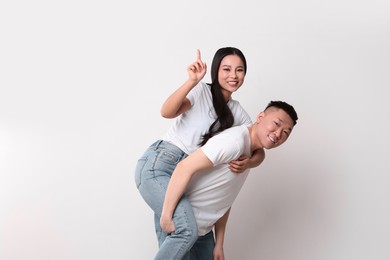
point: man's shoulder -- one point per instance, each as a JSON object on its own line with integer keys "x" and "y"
{"x": 227, "y": 145}
{"x": 235, "y": 130}
{"x": 232, "y": 135}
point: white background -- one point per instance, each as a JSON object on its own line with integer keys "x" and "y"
{"x": 81, "y": 85}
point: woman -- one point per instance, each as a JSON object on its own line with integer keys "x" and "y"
{"x": 202, "y": 111}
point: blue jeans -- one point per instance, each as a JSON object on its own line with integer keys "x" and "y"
{"x": 153, "y": 172}
{"x": 203, "y": 248}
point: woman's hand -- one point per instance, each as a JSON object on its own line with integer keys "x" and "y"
{"x": 197, "y": 70}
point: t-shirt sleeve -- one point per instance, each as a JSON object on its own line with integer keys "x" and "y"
{"x": 245, "y": 119}
{"x": 195, "y": 93}
{"x": 241, "y": 117}
{"x": 223, "y": 148}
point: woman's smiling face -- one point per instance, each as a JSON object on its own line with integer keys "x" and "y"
{"x": 231, "y": 74}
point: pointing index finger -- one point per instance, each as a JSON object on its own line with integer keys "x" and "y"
{"x": 198, "y": 54}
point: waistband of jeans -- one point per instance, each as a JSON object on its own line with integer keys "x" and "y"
{"x": 167, "y": 145}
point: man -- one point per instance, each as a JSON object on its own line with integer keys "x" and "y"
{"x": 209, "y": 184}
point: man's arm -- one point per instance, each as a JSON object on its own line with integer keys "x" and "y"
{"x": 181, "y": 176}
{"x": 220, "y": 228}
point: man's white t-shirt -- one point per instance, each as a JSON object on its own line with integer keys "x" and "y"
{"x": 187, "y": 131}
{"x": 211, "y": 193}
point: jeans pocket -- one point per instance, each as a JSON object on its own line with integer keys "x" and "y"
{"x": 166, "y": 162}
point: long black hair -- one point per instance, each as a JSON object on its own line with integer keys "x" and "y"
{"x": 225, "y": 117}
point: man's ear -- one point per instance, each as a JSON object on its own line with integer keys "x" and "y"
{"x": 259, "y": 117}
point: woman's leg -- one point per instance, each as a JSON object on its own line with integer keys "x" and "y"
{"x": 153, "y": 172}
{"x": 161, "y": 235}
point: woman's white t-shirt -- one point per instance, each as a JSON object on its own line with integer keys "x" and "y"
{"x": 187, "y": 131}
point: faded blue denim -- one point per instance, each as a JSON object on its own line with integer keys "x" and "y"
{"x": 152, "y": 175}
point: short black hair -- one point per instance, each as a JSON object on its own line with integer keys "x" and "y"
{"x": 289, "y": 109}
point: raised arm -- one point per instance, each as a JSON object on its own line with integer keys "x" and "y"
{"x": 244, "y": 162}
{"x": 177, "y": 103}
{"x": 181, "y": 176}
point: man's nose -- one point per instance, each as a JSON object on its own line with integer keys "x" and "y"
{"x": 278, "y": 133}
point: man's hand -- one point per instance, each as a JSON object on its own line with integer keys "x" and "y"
{"x": 218, "y": 253}
{"x": 167, "y": 224}
{"x": 239, "y": 165}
